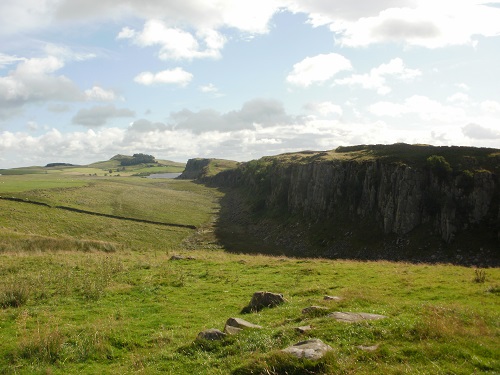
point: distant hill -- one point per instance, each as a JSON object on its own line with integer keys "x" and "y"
{"x": 122, "y": 163}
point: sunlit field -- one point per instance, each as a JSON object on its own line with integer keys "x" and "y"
{"x": 81, "y": 293}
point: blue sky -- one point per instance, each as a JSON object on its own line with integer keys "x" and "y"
{"x": 81, "y": 81}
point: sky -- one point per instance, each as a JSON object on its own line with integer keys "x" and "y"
{"x": 84, "y": 80}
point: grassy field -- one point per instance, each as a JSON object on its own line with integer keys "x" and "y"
{"x": 89, "y": 294}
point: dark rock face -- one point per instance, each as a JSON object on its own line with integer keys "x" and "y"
{"x": 194, "y": 169}
{"x": 398, "y": 197}
{"x": 391, "y": 198}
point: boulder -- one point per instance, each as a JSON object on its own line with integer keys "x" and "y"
{"x": 351, "y": 317}
{"x": 313, "y": 349}
{"x": 263, "y": 299}
{"x": 211, "y": 334}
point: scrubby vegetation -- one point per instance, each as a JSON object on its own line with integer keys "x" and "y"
{"x": 90, "y": 294}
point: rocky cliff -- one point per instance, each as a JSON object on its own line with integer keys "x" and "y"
{"x": 383, "y": 191}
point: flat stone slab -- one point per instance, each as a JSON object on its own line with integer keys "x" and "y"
{"x": 303, "y": 329}
{"x": 211, "y": 334}
{"x": 230, "y": 330}
{"x": 313, "y": 349}
{"x": 236, "y": 325}
{"x": 352, "y": 317}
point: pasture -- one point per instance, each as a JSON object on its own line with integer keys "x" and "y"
{"x": 88, "y": 294}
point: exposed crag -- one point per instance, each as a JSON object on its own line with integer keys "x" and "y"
{"x": 372, "y": 200}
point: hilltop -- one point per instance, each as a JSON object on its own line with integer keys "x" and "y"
{"x": 137, "y": 164}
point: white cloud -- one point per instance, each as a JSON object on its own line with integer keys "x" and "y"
{"x": 176, "y": 44}
{"x": 177, "y": 76}
{"x": 322, "y": 12}
{"x": 252, "y": 17}
{"x": 377, "y": 78}
{"x": 7, "y": 60}
{"x": 99, "y": 115}
{"x": 428, "y": 24}
{"x": 458, "y": 97}
{"x": 317, "y": 69}
{"x": 98, "y": 93}
{"x": 256, "y": 112}
{"x": 324, "y": 108}
{"x": 208, "y": 88}
{"x": 33, "y": 80}
{"x": 463, "y": 86}
{"x": 421, "y": 106}
{"x": 490, "y": 106}
{"x": 476, "y": 131}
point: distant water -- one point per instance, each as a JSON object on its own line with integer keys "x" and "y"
{"x": 164, "y": 175}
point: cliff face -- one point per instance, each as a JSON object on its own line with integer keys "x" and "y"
{"x": 194, "y": 169}
{"x": 392, "y": 196}
{"x": 398, "y": 198}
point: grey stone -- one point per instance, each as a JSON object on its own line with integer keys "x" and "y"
{"x": 303, "y": 329}
{"x": 351, "y": 317}
{"x": 313, "y": 349}
{"x": 211, "y": 334}
{"x": 241, "y": 323}
{"x": 230, "y": 330}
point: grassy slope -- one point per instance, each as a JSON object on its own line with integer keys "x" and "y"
{"x": 100, "y": 295}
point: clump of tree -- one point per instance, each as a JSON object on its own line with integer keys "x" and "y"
{"x": 138, "y": 159}
{"x": 439, "y": 166}
{"x": 50, "y": 165}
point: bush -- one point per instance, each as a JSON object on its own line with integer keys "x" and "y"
{"x": 439, "y": 166}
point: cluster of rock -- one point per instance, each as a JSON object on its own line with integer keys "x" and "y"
{"x": 312, "y": 349}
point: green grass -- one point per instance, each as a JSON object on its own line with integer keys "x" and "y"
{"x": 90, "y": 294}
{"x": 18, "y": 183}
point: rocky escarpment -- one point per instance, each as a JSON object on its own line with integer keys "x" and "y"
{"x": 203, "y": 169}
{"x": 440, "y": 193}
{"x": 195, "y": 169}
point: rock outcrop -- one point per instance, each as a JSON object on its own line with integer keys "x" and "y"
{"x": 393, "y": 195}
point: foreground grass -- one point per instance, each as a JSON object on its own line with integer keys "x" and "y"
{"x": 126, "y": 312}
{"x": 87, "y": 294}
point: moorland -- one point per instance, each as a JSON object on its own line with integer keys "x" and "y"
{"x": 105, "y": 271}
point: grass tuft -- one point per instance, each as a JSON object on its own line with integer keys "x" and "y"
{"x": 14, "y": 294}
{"x": 479, "y": 275}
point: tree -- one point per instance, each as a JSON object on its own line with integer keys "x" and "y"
{"x": 439, "y": 166}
